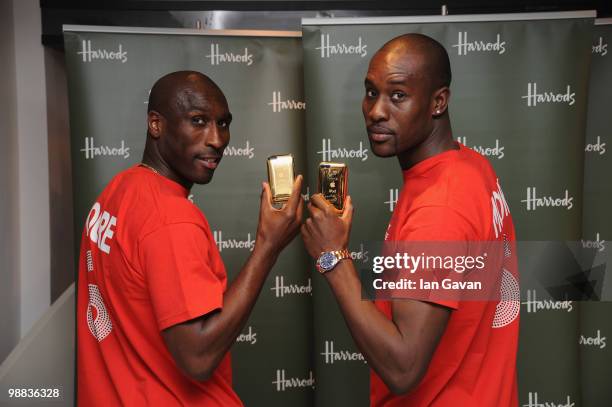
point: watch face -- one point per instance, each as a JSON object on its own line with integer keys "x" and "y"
{"x": 327, "y": 261}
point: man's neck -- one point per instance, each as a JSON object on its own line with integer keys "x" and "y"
{"x": 153, "y": 159}
{"x": 437, "y": 142}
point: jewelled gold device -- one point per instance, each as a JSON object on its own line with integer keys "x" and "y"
{"x": 333, "y": 183}
{"x": 280, "y": 177}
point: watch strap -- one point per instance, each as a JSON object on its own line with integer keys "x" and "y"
{"x": 338, "y": 254}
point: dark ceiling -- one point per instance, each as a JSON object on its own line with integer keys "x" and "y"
{"x": 185, "y": 14}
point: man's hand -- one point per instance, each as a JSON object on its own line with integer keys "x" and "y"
{"x": 278, "y": 227}
{"x": 327, "y": 228}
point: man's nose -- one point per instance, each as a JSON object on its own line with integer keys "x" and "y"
{"x": 217, "y": 137}
{"x": 378, "y": 110}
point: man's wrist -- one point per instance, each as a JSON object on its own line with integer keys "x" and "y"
{"x": 265, "y": 253}
{"x": 341, "y": 273}
{"x": 329, "y": 259}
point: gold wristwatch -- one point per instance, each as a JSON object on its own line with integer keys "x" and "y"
{"x": 328, "y": 260}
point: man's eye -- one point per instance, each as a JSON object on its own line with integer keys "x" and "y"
{"x": 223, "y": 123}
{"x": 198, "y": 120}
{"x": 397, "y": 96}
{"x": 370, "y": 93}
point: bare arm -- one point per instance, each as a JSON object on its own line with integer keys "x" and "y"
{"x": 399, "y": 350}
{"x": 199, "y": 345}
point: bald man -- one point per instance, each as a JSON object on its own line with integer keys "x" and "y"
{"x": 438, "y": 352}
{"x": 155, "y": 318}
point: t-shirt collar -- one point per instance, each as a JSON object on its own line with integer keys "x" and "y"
{"x": 425, "y": 165}
{"x": 172, "y": 186}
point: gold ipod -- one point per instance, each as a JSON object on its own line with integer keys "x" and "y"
{"x": 280, "y": 177}
{"x": 333, "y": 183}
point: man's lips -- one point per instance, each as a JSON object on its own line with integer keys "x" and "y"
{"x": 379, "y": 134}
{"x": 210, "y": 162}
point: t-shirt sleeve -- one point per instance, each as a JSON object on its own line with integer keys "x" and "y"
{"x": 441, "y": 224}
{"x": 179, "y": 274}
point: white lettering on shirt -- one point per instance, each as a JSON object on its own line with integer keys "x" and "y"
{"x": 100, "y": 227}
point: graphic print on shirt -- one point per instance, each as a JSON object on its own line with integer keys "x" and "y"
{"x": 510, "y": 303}
{"x": 509, "y": 306}
{"x": 100, "y": 227}
{"x": 500, "y": 209}
{"x": 98, "y": 320}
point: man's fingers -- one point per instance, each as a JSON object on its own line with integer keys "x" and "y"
{"x": 307, "y": 226}
{"x": 347, "y": 214}
{"x": 296, "y": 194}
{"x": 315, "y": 213}
{"x": 300, "y": 209}
{"x": 320, "y": 202}
{"x": 266, "y": 195}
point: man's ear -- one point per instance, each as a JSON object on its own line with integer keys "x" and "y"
{"x": 155, "y": 122}
{"x": 440, "y": 101}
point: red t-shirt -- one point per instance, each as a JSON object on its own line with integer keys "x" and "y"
{"x": 148, "y": 261}
{"x": 455, "y": 196}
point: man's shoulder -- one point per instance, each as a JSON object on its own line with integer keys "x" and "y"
{"x": 458, "y": 192}
{"x": 470, "y": 174}
{"x": 455, "y": 181}
{"x": 149, "y": 195}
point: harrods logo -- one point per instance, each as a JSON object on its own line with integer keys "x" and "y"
{"x": 218, "y": 57}
{"x": 328, "y": 49}
{"x": 306, "y": 195}
{"x": 534, "y": 202}
{"x": 332, "y": 356}
{"x": 278, "y": 104}
{"x": 393, "y": 197}
{"x": 464, "y": 46}
{"x": 330, "y": 153}
{"x": 533, "y": 401}
{"x": 597, "y": 341}
{"x": 361, "y": 255}
{"x": 600, "y": 48}
{"x": 597, "y": 147}
{"x": 534, "y": 305}
{"x": 283, "y": 383}
{"x": 533, "y": 97}
{"x": 245, "y": 152}
{"x": 500, "y": 209}
{"x": 248, "y": 244}
{"x": 280, "y": 289}
{"x": 598, "y": 244}
{"x": 487, "y": 151}
{"x": 91, "y": 54}
{"x": 91, "y": 150}
{"x": 249, "y": 337}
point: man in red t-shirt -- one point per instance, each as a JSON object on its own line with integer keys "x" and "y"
{"x": 438, "y": 350}
{"x": 155, "y": 318}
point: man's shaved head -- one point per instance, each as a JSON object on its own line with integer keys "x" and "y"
{"x": 175, "y": 91}
{"x": 405, "y": 105}
{"x": 436, "y": 64}
{"x": 188, "y": 123}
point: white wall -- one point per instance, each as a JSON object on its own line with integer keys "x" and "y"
{"x": 9, "y": 193}
{"x": 60, "y": 174}
{"x": 44, "y": 358}
{"x": 33, "y": 164}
